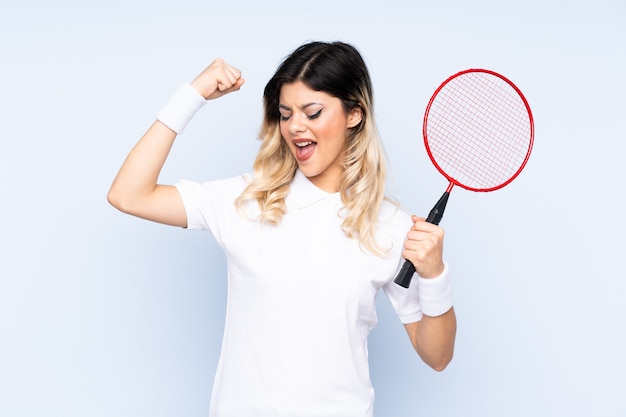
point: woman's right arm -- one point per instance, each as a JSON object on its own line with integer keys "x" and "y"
{"x": 135, "y": 189}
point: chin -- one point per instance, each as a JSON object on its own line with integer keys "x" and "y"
{"x": 308, "y": 171}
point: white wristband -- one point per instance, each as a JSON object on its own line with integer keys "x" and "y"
{"x": 181, "y": 107}
{"x": 435, "y": 294}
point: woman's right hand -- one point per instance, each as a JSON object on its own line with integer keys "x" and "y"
{"x": 218, "y": 79}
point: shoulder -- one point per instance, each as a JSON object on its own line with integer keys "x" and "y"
{"x": 392, "y": 226}
{"x": 211, "y": 204}
{"x": 225, "y": 187}
{"x": 392, "y": 212}
{"x": 216, "y": 195}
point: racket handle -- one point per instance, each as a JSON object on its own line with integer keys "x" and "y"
{"x": 405, "y": 275}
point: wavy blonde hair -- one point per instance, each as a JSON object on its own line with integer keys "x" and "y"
{"x": 339, "y": 70}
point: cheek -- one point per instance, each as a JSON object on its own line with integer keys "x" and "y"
{"x": 336, "y": 133}
{"x": 284, "y": 132}
{"x": 284, "y": 135}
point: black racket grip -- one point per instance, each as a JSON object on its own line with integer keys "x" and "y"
{"x": 405, "y": 275}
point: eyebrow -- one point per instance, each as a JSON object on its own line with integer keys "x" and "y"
{"x": 282, "y": 106}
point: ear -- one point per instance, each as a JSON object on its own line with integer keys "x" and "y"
{"x": 355, "y": 116}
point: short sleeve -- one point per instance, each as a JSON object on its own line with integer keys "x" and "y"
{"x": 405, "y": 301}
{"x": 211, "y": 205}
{"x": 424, "y": 296}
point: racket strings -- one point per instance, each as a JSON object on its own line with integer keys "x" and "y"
{"x": 478, "y": 130}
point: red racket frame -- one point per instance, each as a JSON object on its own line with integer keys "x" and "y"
{"x": 452, "y": 180}
{"x": 406, "y": 273}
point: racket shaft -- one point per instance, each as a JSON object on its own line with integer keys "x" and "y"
{"x": 406, "y": 272}
{"x": 435, "y": 215}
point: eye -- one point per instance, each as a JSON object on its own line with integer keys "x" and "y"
{"x": 284, "y": 117}
{"x": 314, "y": 115}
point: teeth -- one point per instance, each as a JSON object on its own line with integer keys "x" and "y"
{"x": 303, "y": 144}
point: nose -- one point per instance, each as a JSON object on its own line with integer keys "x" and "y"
{"x": 296, "y": 125}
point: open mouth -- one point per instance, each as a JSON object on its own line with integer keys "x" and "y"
{"x": 304, "y": 149}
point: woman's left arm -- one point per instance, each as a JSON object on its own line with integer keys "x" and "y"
{"x": 433, "y": 339}
{"x": 433, "y": 336}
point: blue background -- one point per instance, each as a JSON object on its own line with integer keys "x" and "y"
{"x": 102, "y": 314}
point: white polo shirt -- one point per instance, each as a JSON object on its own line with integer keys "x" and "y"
{"x": 301, "y": 302}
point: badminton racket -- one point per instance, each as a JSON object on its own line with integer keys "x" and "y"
{"x": 478, "y": 131}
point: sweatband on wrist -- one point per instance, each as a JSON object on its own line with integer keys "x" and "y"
{"x": 435, "y": 294}
{"x": 180, "y": 108}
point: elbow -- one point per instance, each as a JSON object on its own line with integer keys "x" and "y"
{"x": 441, "y": 365}
{"x": 112, "y": 198}
{"x": 438, "y": 361}
{"x": 117, "y": 200}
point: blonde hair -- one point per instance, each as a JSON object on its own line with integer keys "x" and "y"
{"x": 339, "y": 70}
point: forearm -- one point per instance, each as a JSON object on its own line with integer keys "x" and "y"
{"x": 433, "y": 339}
{"x": 434, "y": 335}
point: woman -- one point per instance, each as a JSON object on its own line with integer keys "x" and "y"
{"x": 309, "y": 239}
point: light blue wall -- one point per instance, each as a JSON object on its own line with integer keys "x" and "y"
{"x": 106, "y": 315}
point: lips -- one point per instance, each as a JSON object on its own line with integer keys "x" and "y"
{"x": 304, "y": 149}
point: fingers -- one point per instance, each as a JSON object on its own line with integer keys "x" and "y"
{"x": 417, "y": 219}
{"x": 227, "y": 75}
{"x": 218, "y": 79}
{"x": 424, "y": 248}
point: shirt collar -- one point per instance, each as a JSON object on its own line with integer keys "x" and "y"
{"x": 305, "y": 193}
